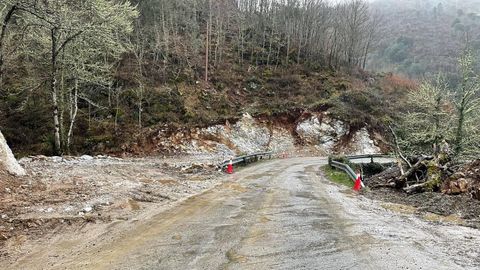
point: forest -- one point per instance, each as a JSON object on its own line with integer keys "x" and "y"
{"x": 87, "y": 76}
{"x": 422, "y": 38}
{"x": 77, "y": 73}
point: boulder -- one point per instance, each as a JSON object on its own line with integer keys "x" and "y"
{"x": 7, "y": 160}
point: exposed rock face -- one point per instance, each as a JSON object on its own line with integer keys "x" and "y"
{"x": 324, "y": 134}
{"x": 7, "y": 160}
{"x": 248, "y": 135}
{"x": 362, "y": 144}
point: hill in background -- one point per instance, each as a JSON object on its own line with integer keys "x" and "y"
{"x": 422, "y": 38}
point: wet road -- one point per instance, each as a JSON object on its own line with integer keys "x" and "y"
{"x": 280, "y": 215}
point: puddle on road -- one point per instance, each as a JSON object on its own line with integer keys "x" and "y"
{"x": 307, "y": 195}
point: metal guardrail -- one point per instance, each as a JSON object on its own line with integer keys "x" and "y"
{"x": 348, "y": 170}
{"x": 247, "y": 159}
{"x": 344, "y": 167}
{"x": 371, "y": 157}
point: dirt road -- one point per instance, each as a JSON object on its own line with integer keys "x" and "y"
{"x": 278, "y": 214}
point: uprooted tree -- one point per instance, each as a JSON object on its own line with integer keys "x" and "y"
{"x": 438, "y": 129}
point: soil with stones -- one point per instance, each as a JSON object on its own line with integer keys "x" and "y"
{"x": 61, "y": 194}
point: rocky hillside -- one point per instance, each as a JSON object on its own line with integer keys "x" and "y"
{"x": 308, "y": 132}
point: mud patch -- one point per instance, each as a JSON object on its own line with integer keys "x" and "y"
{"x": 400, "y": 208}
{"x": 177, "y": 237}
{"x": 452, "y": 219}
{"x": 435, "y": 207}
{"x": 134, "y": 205}
{"x": 264, "y": 219}
{"x": 169, "y": 182}
{"x": 234, "y": 257}
{"x": 235, "y": 187}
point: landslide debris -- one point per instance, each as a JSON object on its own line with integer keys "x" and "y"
{"x": 66, "y": 192}
{"x": 458, "y": 193}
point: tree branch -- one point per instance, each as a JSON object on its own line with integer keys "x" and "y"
{"x": 68, "y": 40}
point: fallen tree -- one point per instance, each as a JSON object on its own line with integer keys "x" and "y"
{"x": 431, "y": 174}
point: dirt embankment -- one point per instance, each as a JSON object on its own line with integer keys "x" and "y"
{"x": 67, "y": 193}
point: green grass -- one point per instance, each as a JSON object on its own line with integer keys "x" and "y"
{"x": 337, "y": 176}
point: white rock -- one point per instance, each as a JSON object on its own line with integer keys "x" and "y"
{"x": 56, "y": 159}
{"x": 68, "y": 209}
{"x": 362, "y": 144}
{"x": 7, "y": 159}
{"x": 25, "y": 160}
{"x": 86, "y": 157}
{"x": 87, "y": 209}
{"x": 324, "y": 134}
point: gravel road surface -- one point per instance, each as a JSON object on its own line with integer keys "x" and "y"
{"x": 280, "y": 214}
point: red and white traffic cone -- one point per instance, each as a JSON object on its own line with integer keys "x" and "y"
{"x": 230, "y": 167}
{"x": 358, "y": 183}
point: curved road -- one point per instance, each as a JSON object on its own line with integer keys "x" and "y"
{"x": 283, "y": 214}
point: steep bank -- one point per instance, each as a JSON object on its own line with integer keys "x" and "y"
{"x": 280, "y": 98}
{"x": 305, "y": 132}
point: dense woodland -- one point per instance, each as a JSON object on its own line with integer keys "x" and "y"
{"x": 98, "y": 68}
{"x": 87, "y": 76}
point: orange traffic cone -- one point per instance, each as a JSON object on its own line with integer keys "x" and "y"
{"x": 358, "y": 183}
{"x": 230, "y": 167}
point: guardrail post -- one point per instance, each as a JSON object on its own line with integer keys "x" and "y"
{"x": 371, "y": 158}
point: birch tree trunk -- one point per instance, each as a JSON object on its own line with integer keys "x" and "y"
{"x": 54, "y": 92}
{"x": 73, "y": 114}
